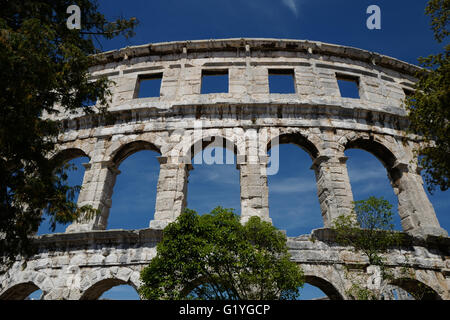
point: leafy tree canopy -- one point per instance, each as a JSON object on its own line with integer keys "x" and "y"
{"x": 215, "y": 257}
{"x": 428, "y": 107}
{"x": 369, "y": 230}
{"x": 44, "y": 70}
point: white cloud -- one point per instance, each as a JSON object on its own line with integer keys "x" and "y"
{"x": 293, "y": 185}
{"x": 370, "y": 188}
{"x": 220, "y": 174}
{"x": 292, "y": 5}
{"x": 359, "y": 174}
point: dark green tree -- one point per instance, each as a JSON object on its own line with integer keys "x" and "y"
{"x": 215, "y": 257}
{"x": 44, "y": 71}
{"x": 428, "y": 106}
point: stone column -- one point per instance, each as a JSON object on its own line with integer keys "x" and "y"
{"x": 171, "y": 192}
{"x": 254, "y": 190}
{"x": 415, "y": 209}
{"x": 98, "y": 183}
{"x": 333, "y": 187}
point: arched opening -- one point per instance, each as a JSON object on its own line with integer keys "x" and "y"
{"x": 68, "y": 154}
{"x": 392, "y": 292}
{"x": 36, "y": 295}
{"x": 293, "y": 202}
{"x": 316, "y": 288}
{"x": 214, "y": 180}
{"x": 130, "y": 148}
{"x": 111, "y": 289}
{"x": 120, "y": 292}
{"x": 310, "y": 292}
{"x": 377, "y": 149}
{"x": 418, "y": 290}
{"x": 75, "y": 160}
{"x": 22, "y": 291}
{"x": 370, "y": 172}
{"x": 296, "y": 139}
{"x": 134, "y": 194}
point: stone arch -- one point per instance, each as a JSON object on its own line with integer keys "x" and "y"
{"x": 418, "y": 289}
{"x": 68, "y": 154}
{"x": 415, "y": 209}
{"x": 211, "y": 142}
{"x": 227, "y": 139}
{"x": 200, "y": 139}
{"x": 120, "y": 154}
{"x": 126, "y": 150}
{"x": 21, "y": 283}
{"x": 379, "y": 148}
{"x": 192, "y": 285}
{"x": 298, "y": 139}
{"x": 227, "y": 157}
{"x": 375, "y": 146}
{"x": 19, "y": 291}
{"x": 326, "y": 286}
{"x": 320, "y": 282}
{"x": 96, "y": 290}
{"x": 311, "y": 145}
{"x": 101, "y": 176}
{"x": 327, "y": 278}
{"x": 175, "y": 165}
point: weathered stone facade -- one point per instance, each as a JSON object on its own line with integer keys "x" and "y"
{"x": 83, "y": 262}
{"x": 84, "y": 265}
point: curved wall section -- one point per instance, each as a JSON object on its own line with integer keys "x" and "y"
{"x": 250, "y": 120}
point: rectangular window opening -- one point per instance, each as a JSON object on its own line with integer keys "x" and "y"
{"x": 282, "y": 81}
{"x": 149, "y": 85}
{"x": 214, "y": 81}
{"x": 348, "y": 86}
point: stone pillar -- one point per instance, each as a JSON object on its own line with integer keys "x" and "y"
{"x": 254, "y": 190}
{"x": 171, "y": 192}
{"x": 415, "y": 209}
{"x": 333, "y": 187}
{"x": 97, "y": 189}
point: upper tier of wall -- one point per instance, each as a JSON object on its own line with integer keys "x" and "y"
{"x": 383, "y": 81}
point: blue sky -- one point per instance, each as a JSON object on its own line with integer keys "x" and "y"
{"x": 294, "y": 206}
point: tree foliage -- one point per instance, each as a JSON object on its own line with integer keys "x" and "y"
{"x": 215, "y": 257}
{"x": 44, "y": 71}
{"x": 428, "y": 107}
{"x": 369, "y": 229}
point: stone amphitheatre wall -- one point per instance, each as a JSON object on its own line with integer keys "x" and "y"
{"x": 251, "y": 120}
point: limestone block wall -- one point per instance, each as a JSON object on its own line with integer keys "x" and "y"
{"x": 249, "y": 120}
{"x": 82, "y": 266}
{"x": 74, "y": 266}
